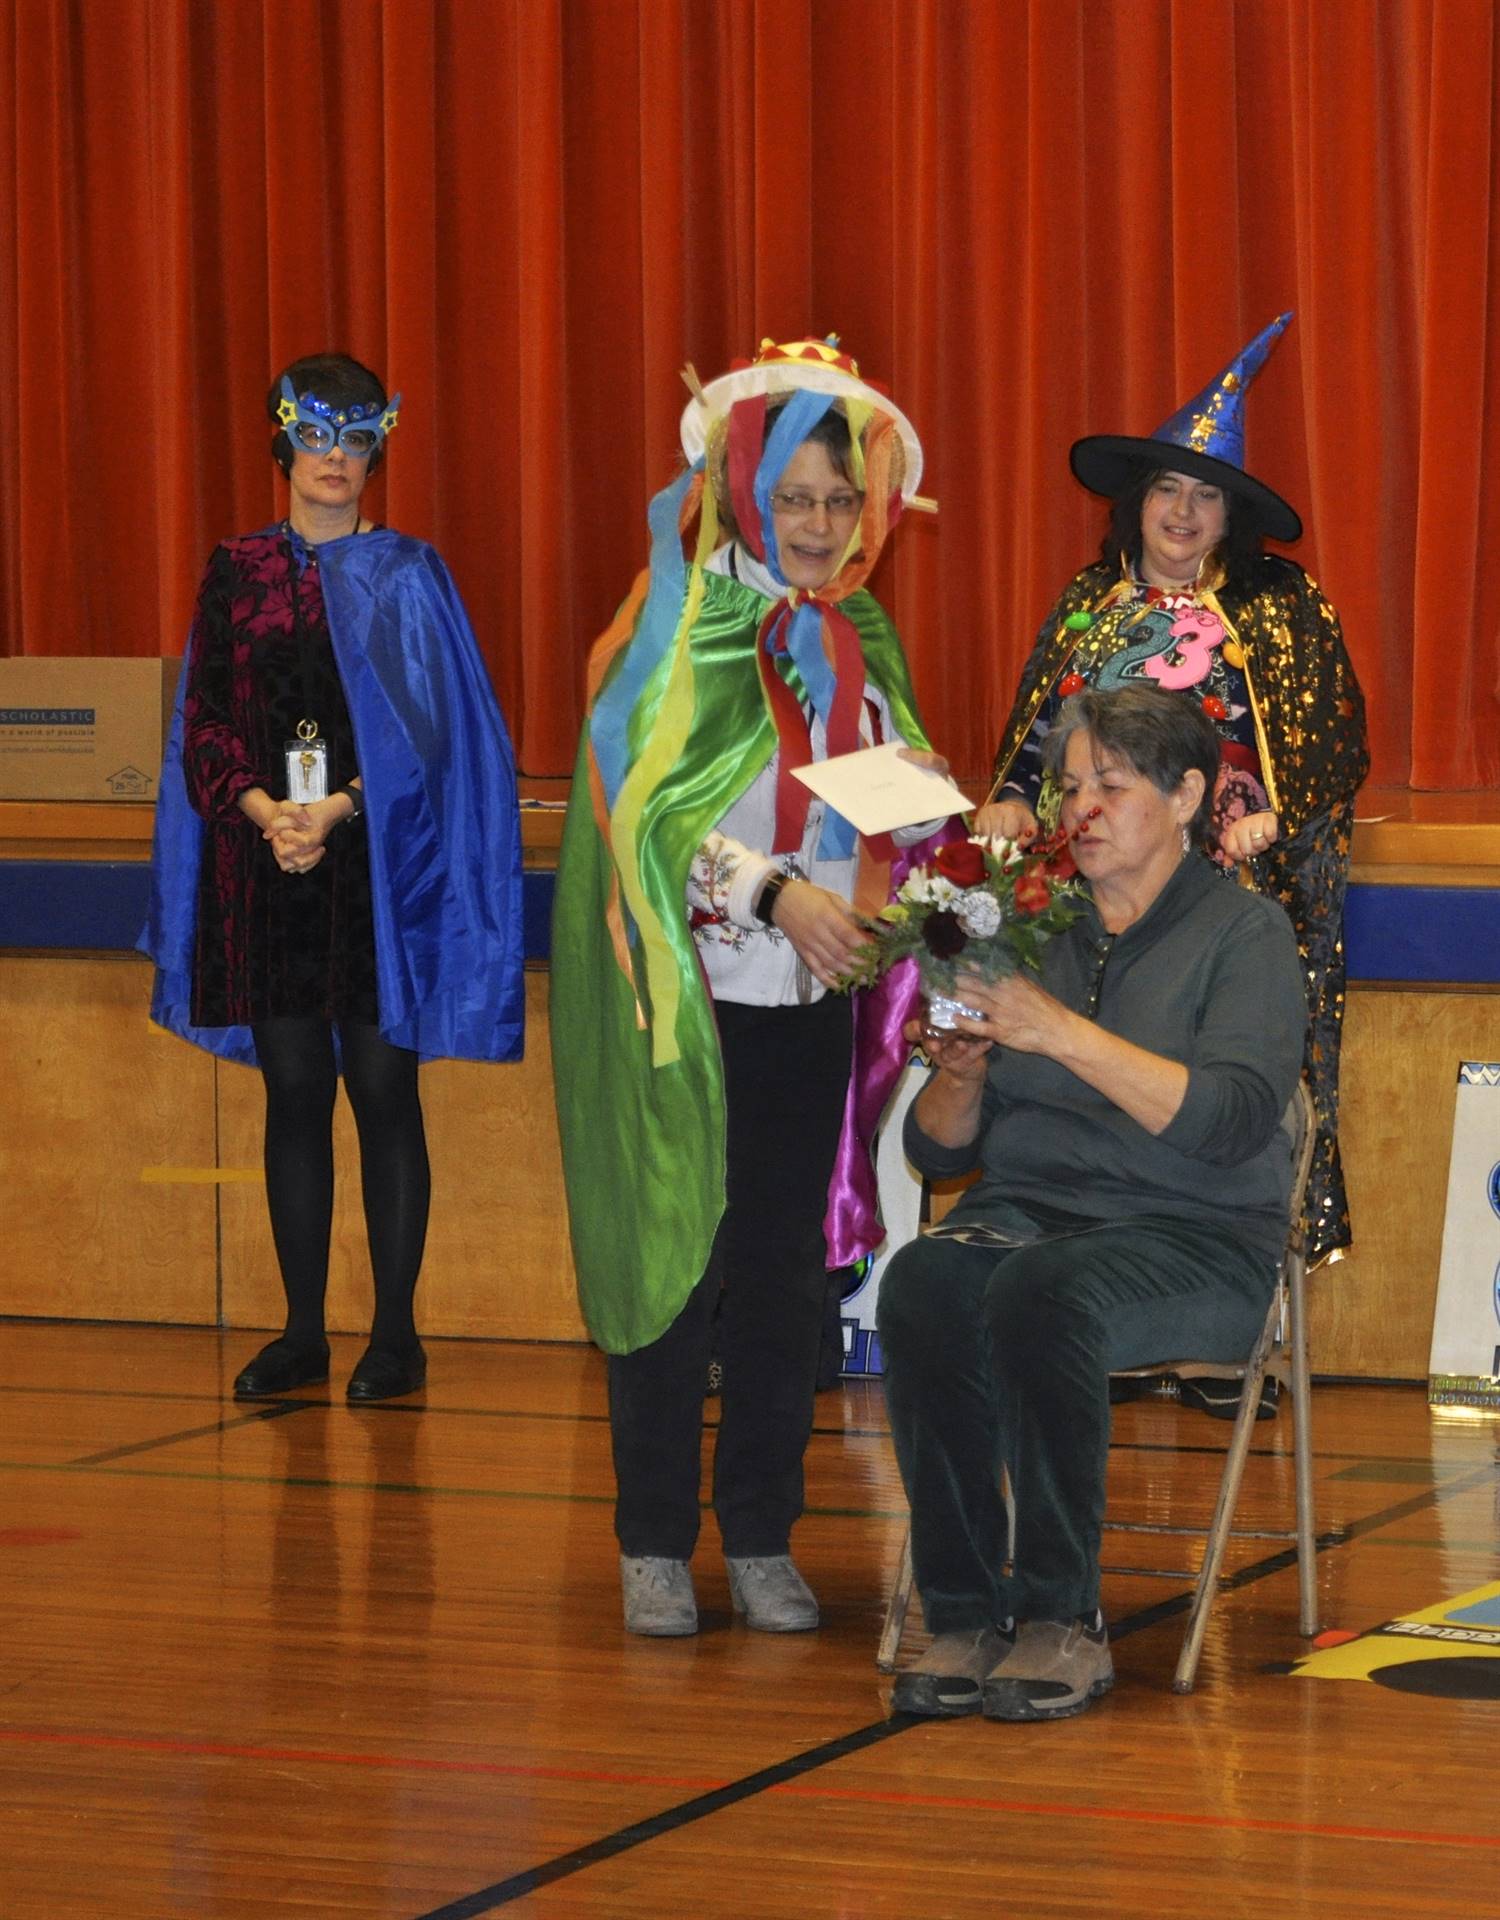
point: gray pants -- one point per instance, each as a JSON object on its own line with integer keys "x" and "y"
{"x": 1002, "y": 1357}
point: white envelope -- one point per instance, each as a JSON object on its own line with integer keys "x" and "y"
{"x": 879, "y": 791}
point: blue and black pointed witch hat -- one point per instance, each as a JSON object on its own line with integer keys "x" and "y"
{"x": 1205, "y": 438}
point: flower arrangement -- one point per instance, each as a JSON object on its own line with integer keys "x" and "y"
{"x": 980, "y": 907}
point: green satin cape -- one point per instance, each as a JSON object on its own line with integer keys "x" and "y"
{"x": 643, "y": 1147}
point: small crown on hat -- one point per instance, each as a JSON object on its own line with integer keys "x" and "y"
{"x": 825, "y": 351}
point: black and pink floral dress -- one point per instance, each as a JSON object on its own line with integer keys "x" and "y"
{"x": 270, "y": 944}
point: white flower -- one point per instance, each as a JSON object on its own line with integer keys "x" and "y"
{"x": 1007, "y": 852}
{"x": 979, "y": 913}
{"x": 922, "y": 887}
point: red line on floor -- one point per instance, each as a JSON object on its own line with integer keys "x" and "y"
{"x": 313, "y": 1756}
{"x": 1145, "y": 1816}
{"x": 597, "y": 1776}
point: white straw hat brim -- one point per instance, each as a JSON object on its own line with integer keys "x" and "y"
{"x": 774, "y": 377}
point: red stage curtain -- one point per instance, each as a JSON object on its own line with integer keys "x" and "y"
{"x": 1033, "y": 218}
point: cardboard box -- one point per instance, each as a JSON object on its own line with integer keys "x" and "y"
{"x": 83, "y": 729}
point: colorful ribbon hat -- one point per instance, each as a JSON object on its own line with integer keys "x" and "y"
{"x": 790, "y": 367}
{"x": 1205, "y": 438}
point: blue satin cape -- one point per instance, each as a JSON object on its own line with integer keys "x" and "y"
{"x": 439, "y": 782}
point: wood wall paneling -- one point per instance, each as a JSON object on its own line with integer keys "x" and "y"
{"x": 1370, "y": 1314}
{"x": 93, "y": 1096}
{"x": 497, "y": 1264}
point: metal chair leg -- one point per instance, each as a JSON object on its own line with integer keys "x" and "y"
{"x": 1229, "y": 1493}
{"x": 896, "y": 1608}
{"x": 1307, "y": 1553}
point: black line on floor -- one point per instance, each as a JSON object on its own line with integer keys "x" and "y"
{"x": 416, "y": 1406}
{"x": 835, "y": 1432}
{"x": 502, "y": 1892}
{"x": 274, "y": 1411}
{"x": 1262, "y": 1569}
{"x": 578, "y": 1417}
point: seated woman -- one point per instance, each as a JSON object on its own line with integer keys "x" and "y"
{"x": 1131, "y": 1205}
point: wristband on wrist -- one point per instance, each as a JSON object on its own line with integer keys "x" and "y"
{"x": 356, "y": 799}
{"x": 770, "y": 893}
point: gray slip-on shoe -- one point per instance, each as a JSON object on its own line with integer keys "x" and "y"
{"x": 947, "y": 1682}
{"x": 658, "y": 1595}
{"x": 1056, "y": 1668}
{"x": 771, "y": 1594}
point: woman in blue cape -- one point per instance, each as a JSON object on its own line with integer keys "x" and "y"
{"x": 336, "y": 870}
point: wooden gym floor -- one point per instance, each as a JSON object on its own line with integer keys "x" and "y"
{"x": 293, "y": 1659}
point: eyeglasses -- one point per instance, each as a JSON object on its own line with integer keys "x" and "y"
{"x": 797, "y": 505}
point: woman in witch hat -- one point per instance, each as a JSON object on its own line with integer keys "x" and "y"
{"x": 1183, "y": 596}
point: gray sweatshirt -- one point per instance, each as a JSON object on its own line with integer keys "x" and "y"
{"x": 1209, "y": 976}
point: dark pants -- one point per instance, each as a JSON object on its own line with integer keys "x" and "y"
{"x": 301, "y": 1074}
{"x": 786, "y": 1077}
{"x": 1004, "y": 1358}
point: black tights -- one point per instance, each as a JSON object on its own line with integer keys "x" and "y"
{"x": 297, "y": 1062}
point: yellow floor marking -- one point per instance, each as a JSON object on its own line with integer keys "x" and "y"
{"x": 1468, "y": 1626}
{"x": 200, "y": 1176}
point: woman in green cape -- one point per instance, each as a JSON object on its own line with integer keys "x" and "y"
{"x": 706, "y": 903}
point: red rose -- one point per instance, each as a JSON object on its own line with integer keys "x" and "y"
{"x": 1033, "y": 894}
{"x": 962, "y": 862}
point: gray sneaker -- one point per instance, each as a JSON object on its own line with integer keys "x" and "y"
{"x": 946, "y": 1682}
{"x": 658, "y": 1595}
{"x": 771, "y": 1594}
{"x": 1056, "y": 1667}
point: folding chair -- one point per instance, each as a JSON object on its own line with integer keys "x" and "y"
{"x": 1279, "y": 1354}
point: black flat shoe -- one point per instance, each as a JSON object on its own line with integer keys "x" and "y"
{"x": 279, "y": 1368}
{"x": 383, "y": 1375}
{"x": 1220, "y": 1399}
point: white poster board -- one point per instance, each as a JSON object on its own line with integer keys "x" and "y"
{"x": 900, "y": 1188}
{"x": 1464, "y": 1365}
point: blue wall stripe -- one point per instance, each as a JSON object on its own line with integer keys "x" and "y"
{"x": 1417, "y": 934}
{"x": 1400, "y": 934}
{"x": 100, "y": 905}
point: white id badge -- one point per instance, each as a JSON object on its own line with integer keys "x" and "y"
{"x": 306, "y": 770}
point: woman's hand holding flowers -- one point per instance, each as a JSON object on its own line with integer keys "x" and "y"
{"x": 960, "y": 1054}
{"x": 1017, "y": 1013}
{"x": 822, "y": 927}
